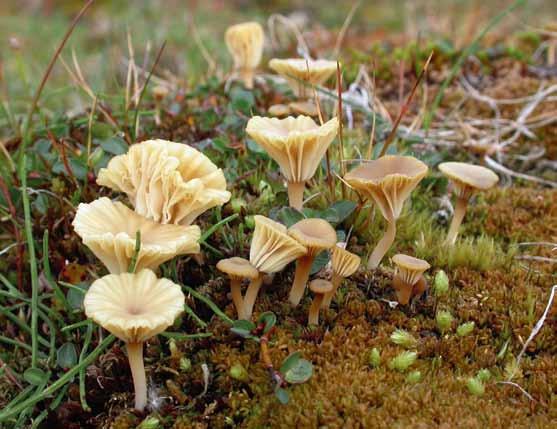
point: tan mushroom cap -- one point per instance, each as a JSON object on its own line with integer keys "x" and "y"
{"x": 320, "y": 286}
{"x": 134, "y": 307}
{"x": 307, "y": 108}
{"x": 344, "y": 263}
{"x": 166, "y": 181}
{"x": 237, "y": 267}
{"x": 296, "y": 144}
{"x": 466, "y": 176}
{"x": 271, "y": 247}
{"x": 294, "y": 70}
{"x": 245, "y": 44}
{"x": 388, "y": 180}
{"x": 109, "y": 229}
{"x": 410, "y": 268}
{"x": 314, "y": 233}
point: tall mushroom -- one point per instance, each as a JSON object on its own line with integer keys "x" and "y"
{"x": 301, "y": 74}
{"x": 388, "y": 180}
{"x": 109, "y": 229}
{"x": 320, "y": 288}
{"x": 238, "y": 269}
{"x": 466, "y": 179}
{"x": 134, "y": 308}
{"x": 297, "y": 145}
{"x": 245, "y": 44}
{"x": 166, "y": 181}
{"x": 316, "y": 235}
{"x": 271, "y": 250}
{"x": 408, "y": 280}
{"x": 344, "y": 264}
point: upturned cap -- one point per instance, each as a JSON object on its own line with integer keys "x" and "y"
{"x": 314, "y": 233}
{"x": 238, "y": 267}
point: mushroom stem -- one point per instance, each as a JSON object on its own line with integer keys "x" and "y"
{"x": 459, "y": 212}
{"x": 403, "y": 290}
{"x": 303, "y": 267}
{"x": 420, "y": 286}
{"x": 383, "y": 246}
{"x": 236, "y": 292}
{"x": 328, "y": 297}
{"x": 135, "y": 358}
{"x": 313, "y": 315}
{"x": 296, "y": 194}
{"x": 247, "y": 77}
{"x": 251, "y": 296}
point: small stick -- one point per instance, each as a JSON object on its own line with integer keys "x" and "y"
{"x": 340, "y": 127}
{"x": 404, "y": 108}
{"x": 133, "y": 262}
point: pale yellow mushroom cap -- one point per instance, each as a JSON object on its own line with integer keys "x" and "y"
{"x": 320, "y": 286}
{"x": 271, "y": 248}
{"x": 296, "y": 144}
{"x": 344, "y": 263}
{"x": 294, "y": 70}
{"x": 410, "y": 269}
{"x": 237, "y": 267}
{"x": 468, "y": 177}
{"x": 109, "y": 229}
{"x": 134, "y": 307}
{"x": 245, "y": 44}
{"x": 389, "y": 180}
{"x": 315, "y": 234}
{"x": 166, "y": 181}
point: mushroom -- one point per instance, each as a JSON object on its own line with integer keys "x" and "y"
{"x": 109, "y": 229}
{"x": 238, "y": 269}
{"x": 307, "y": 108}
{"x": 301, "y": 74}
{"x": 134, "y": 308}
{"x": 320, "y": 288}
{"x": 166, "y": 181}
{"x": 388, "y": 180}
{"x": 160, "y": 92}
{"x": 271, "y": 250}
{"x": 344, "y": 264}
{"x": 408, "y": 280}
{"x": 245, "y": 44}
{"x": 316, "y": 235}
{"x": 466, "y": 179}
{"x": 297, "y": 145}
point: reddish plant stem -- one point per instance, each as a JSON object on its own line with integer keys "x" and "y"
{"x": 276, "y": 376}
{"x": 62, "y": 150}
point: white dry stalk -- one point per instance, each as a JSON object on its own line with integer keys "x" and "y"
{"x": 206, "y": 376}
{"x": 302, "y": 47}
{"x": 7, "y": 248}
{"x": 519, "y": 387}
{"x": 537, "y": 328}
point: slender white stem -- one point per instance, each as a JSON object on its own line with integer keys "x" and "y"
{"x": 135, "y": 358}
{"x": 459, "y": 212}
{"x": 251, "y": 296}
{"x": 383, "y": 246}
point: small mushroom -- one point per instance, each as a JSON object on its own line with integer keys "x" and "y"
{"x": 297, "y": 145}
{"x": 245, "y": 44}
{"x": 238, "y": 269}
{"x": 271, "y": 250}
{"x": 301, "y": 74}
{"x": 279, "y": 110}
{"x": 408, "y": 280}
{"x": 166, "y": 181}
{"x": 466, "y": 179}
{"x": 134, "y": 308}
{"x": 307, "y": 108}
{"x": 344, "y": 264}
{"x": 320, "y": 288}
{"x": 316, "y": 235}
{"x": 160, "y": 92}
{"x": 388, "y": 180}
{"x": 109, "y": 229}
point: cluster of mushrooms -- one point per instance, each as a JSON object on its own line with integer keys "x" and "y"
{"x": 170, "y": 184}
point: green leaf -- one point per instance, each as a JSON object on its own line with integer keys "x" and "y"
{"x": 319, "y": 262}
{"x": 242, "y": 100}
{"x": 66, "y": 356}
{"x": 114, "y": 145}
{"x": 289, "y": 216}
{"x": 269, "y": 319}
{"x": 282, "y": 395}
{"x": 34, "y": 376}
{"x": 295, "y": 369}
{"x": 343, "y": 209}
{"x": 75, "y": 298}
{"x": 243, "y": 328}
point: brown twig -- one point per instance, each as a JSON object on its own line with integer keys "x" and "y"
{"x": 47, "y": 74}
{"x": 276, "y": 376}
{"x": 17, "y": 234}
{"x": 340, "y": 127}
{"x": 404, "y": 108}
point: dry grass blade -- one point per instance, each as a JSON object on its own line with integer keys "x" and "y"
{"x": 405, "y": 107}
{"x": 344, "y": 29}
{"x": 340, "y": 127}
